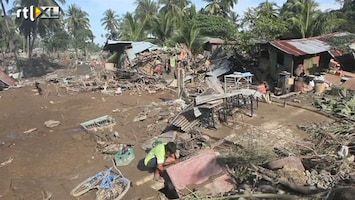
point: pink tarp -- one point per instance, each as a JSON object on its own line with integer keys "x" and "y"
{"x": 195, "y": 170}
{"x": 220, "y": 185}
{"x": 7, "y": 79}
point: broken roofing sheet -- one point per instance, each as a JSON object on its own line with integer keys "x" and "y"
{"x": 6, "y": 79}
{"x": 138, "y": 47}
{"x": 197, "y": 170}
{"x": 131, "y": 48}
{"x": 313, "y": 45}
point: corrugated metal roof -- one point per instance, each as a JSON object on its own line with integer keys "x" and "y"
{"x": 111, "y": 42}
{"x": 138, "y": 47}
{"x": 130, "y": 47}
{"x": 7, "y": 79}
{"x": 335, "y": 53}
{"x": 313, "y": 45}
{"x": 112, "y": 45}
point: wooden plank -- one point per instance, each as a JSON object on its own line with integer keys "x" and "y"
{"x": 215, "y": 84}
{"x": 157, "y": 186}
{"x": 285, "y": 95}
{"x": 145, "y": 179}
{"x": 207, "y": 98}
{"x": 209, "y": 106}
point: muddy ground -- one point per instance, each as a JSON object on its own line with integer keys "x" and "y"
{"x": 56, "y": 159}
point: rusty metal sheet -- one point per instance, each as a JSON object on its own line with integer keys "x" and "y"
{"x": 313, "y": 45}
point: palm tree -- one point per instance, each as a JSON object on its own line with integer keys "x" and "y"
{"x": 111, "y": 23}
{"x": 145, "y": 11}
{"x": 131, "y": 28}
{"x": 191, "y": 37}
{"x": 174, "y": 7}
{"x": 220, "y": 7}
{"x": 191, "y": 12}
{"x": 269, "y": 9}
{"x": 163, "y": 28}
{"x": 308, "y": 19}
{"x": 77, "y": 23}
{"x": 7, "y": 29}
{"x": 230, "y": 3}
{"x": 233, "y": 17}
{"x": 30, "y": 30}
{"x": 214, "y": 7}
{"x": 227, "y": 6}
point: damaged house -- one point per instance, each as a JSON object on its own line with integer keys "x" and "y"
{"x": 314, "y": 52}
{"x": 128, "y": 50}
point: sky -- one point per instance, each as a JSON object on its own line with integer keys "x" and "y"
{"x": 96, "y": 8}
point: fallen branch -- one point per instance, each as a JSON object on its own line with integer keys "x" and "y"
{"x": 271, "y": 176}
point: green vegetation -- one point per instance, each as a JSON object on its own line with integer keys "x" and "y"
{"x": 342, "y": 43}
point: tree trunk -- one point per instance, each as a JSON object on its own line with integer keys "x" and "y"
{"x": 31, "y": 44}
{"x": 11, "y": 42}
{"x": 24, "y": 44}
{"x": 28, "y": 44}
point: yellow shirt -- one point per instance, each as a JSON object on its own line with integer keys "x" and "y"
{"x": 157, "y": 152}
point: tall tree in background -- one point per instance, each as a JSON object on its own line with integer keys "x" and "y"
{"x": 6, "y": 31}
{"x": 145, "y": 12}
{"x": 29, "y": 29}
{"x": 347, "y": 12}
{"x": 213, "y": 7}
{"x": 220, "y": 7}
{"x": 307, "y": 21}
{"x": 78, "y": 25}
{"x": 163, "y": 28}
{"x": 131, "y": 28}
{"x": 110, "y": 21}
{"x": 264, "y": 22}
{"x": 174, "y": 8}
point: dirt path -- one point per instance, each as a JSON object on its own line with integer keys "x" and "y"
{"x": 56, "y": 159}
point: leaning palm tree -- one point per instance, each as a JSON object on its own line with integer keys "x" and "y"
{"x": 111, "y": 23}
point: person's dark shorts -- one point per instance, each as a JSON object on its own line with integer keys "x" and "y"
{"x": 152, "y": 164}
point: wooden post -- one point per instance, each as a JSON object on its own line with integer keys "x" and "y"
{"x": 180, "y": 82}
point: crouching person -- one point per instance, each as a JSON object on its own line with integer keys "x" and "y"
{"x": 264, "y": 90}
{"x": 159, "y": 157}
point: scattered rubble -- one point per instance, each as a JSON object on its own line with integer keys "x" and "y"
{"x": 6, "y": 162}
{"x": 51, "y": 123}
{"x": 30, "y": 131}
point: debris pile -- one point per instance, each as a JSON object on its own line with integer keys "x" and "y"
{"x": 311, "y": 168}
{"x": 342, "y": 105}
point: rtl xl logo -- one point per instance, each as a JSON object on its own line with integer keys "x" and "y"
{"x": 34, "y": 12}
